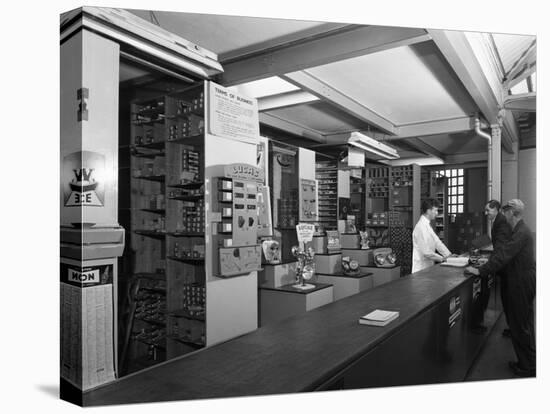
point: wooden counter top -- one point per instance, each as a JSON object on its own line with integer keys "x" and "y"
{"x": 295, "y": 355}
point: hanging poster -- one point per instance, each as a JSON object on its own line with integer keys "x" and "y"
{"x": 232, "y": 115}
{"x": 308, "y": 200}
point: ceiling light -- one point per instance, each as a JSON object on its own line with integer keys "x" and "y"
{"x": 373, "y": 146}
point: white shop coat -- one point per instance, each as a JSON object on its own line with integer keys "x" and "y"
{"x": 425, "y": 245}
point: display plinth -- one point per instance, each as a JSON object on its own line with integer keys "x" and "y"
{"x": 276, "y": 275}
{"x": 328, "y": 263}
{"x": 319, "y": 244}
{"x": 350, "y": 241}
{"x": 363, "y": 256}
{"x": 382, "y": 275}
{"x": 286, "y": 301}
{"x": 347, "y": 285}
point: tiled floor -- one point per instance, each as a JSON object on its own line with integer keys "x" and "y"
{"x": 492, "y": 362}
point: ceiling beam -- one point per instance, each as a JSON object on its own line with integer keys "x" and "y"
{"x": 281, "y": 41}
{"x": 327, "y": 93}
{"x": 284, "y": 100}
{"x": 525, "y": 102}
{"x": 525, "y": 61}
{"x": 465, "y": 158}
{"x": 459, "y": 54}
{"x": 416, "y": 130}
{"x": 437, "y": 127}
{"x": 425, "y": 148}
{"x": 342, "y": 43}
{"x": 290, "y": 127}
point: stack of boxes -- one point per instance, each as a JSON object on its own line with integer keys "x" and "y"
{"x": 194, "y": 298}
{"x": 191, "y": 217}
{"x": 189, "y": 164}
{"x": 288, "y": 209}
{"x": 150, "y": 306}
{"x": 378, "y": 182}
{"x": 377, "y": 219}
{"x": 194, "y": 252}
{"x": 466, "y": 227}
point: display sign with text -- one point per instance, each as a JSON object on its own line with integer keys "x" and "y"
{"x": 305, "y": 232}
{"x": 244, "y": 172}
{"x": 232, "y": 115}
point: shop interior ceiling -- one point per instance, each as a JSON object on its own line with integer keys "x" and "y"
{"x": 317, "y": 82}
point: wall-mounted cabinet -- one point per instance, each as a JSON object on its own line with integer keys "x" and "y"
{"x": 175, "y": 304}
{"x": 393, "y": 208}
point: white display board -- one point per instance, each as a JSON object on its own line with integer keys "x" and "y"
{"x": 231, "y": 115}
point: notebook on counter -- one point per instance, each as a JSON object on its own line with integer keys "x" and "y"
{"x": 456, "y": 261}
{"x": 378, "y": 317}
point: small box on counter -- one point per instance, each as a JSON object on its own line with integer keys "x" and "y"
{"x": 328, "y": 264}
{"x": 350, "y": 241}
{"x": 319, "y": 244}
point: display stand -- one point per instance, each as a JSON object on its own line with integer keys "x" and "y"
{"x": 382, "y": 275}
{"x": 347, "y": 285}
{"x": 277, "y": 275}
{"x": 285, "y": 301}
{"x": 329, "y": 263}
{"x": 363, "y": 256}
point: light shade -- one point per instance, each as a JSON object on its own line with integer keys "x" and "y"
{"x": 373, "y": 146}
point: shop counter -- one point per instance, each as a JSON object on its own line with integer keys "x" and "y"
{"x": 347, "y": 285}
{"x": 277, "y": 303}
{"x": 432, "y": 341}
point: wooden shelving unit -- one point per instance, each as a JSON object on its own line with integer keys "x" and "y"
{"x": 393, "y": 208}
{"x": 167, "y": 218}
{"x": 326, "y": 173}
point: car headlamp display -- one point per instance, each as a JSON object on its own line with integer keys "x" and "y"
{"x": 384, "y": 257}
{"x": 350, "y": 266}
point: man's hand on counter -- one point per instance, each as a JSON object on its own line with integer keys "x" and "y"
{"x": 471, "y": 270}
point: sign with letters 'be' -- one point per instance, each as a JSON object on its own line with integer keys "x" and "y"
{"x": 84, "y": 173}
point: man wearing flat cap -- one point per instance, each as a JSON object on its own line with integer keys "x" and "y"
{"x": 518, "y": 255}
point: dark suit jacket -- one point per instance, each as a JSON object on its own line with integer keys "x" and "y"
{"x": 500, "y": 232}
{"x": 519, "y": 256}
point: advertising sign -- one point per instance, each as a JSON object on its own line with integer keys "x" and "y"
{"x": 84, "y": 175}
{"x": 305, "y": 232}
{"x": 244, "y": 172}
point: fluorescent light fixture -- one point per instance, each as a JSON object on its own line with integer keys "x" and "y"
{"x": 373, "y": 146}
{"x": 419, "y": 160}
{"x": 264, "y": 87}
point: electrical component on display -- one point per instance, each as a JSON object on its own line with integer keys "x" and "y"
{"x": 305, "y": 268}
{"x": 384, "y": 257}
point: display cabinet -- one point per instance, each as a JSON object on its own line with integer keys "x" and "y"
{"x": 326, "y": 173}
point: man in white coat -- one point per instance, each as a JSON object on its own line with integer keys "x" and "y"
{"x": 426, "y": 244}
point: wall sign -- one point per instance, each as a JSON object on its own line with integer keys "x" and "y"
{"x": 86, "y": 276}
{"x": 84, "y": 185}
{"x": 244, "y": 172}
{"x": 308, "y": 200}
{"x": 232, "y": 115}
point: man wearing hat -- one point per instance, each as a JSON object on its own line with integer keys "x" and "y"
{"x": 518, "y": 255}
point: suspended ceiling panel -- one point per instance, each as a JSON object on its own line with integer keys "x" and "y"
{"x": 319, "y": 116}
{"x": 223, "y": 34}
{"x": 511, "y": 48}
{"x": 403, "y": 85}
{"x": 460, "y": 143}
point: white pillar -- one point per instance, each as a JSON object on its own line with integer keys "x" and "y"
{"x": 495, "y": 163}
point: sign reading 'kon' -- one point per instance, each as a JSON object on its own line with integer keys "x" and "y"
{"x": 85, "y": 277}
